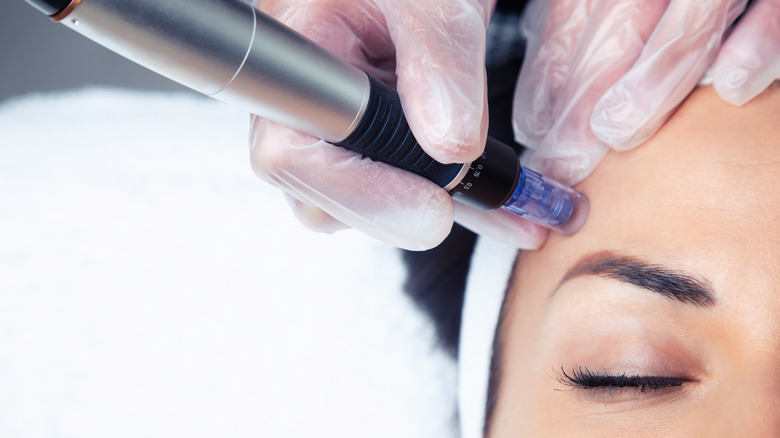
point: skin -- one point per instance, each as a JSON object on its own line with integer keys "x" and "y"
{"x": 701, "y": 198}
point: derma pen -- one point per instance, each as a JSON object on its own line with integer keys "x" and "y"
{"x": 230, "y": 51}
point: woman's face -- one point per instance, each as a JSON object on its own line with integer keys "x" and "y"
{"x": 662, "y": 316}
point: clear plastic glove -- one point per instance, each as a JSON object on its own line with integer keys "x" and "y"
{"x": 433, "y": 52}
{"x": 608, "y": 73}
{"x": 750, "y": 58}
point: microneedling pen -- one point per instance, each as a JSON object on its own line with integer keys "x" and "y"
{"x": 230, "y": 51}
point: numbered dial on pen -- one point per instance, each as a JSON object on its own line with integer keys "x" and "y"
{"x": 491, "y": 179}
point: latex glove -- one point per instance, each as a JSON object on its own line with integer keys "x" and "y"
{"x": 608, "y": 73}
{"x": 750, "y": 58}
{"x": 379, "y": 195}
{"x": 433, "y": 51}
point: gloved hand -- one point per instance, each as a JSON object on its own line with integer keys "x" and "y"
{"x": 608, "y": 73}
{"x": 433, "y": 52}
{"x": 750, "y": 58}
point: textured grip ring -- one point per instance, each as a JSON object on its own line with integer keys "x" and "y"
{"x": 384, "y": 135}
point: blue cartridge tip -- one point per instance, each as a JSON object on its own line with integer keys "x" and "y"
{"x": 548, "y": 203}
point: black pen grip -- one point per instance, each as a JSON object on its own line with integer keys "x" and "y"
{"x": 383, "y": 134}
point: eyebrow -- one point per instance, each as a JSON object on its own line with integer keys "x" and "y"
{"x": 671, "y": 283}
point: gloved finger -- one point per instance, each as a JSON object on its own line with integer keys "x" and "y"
{"x": 750, "y": 58}
{"x": 675, "y": 57}
{"x": 551, "y": 29}
{"x": 607, "y": 47}
{"x": 353, "y": 31}
{"x": 313, "y": 217}
{"x": 569, "y": 162}
{"x": 392, "y": 205}
{"x": 440, "y": 58}
{"x": 501, "y": 225}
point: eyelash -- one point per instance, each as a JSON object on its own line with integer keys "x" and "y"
{"x": 583, "y": 378}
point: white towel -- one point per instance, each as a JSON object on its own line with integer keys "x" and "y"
{"x": 491, "y": 267}
{"x": 151, "y": 286}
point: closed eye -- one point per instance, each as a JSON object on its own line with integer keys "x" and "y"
{"x": 608, "y": 384}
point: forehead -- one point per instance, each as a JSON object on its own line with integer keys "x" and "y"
{"x": 703, "y": 191}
